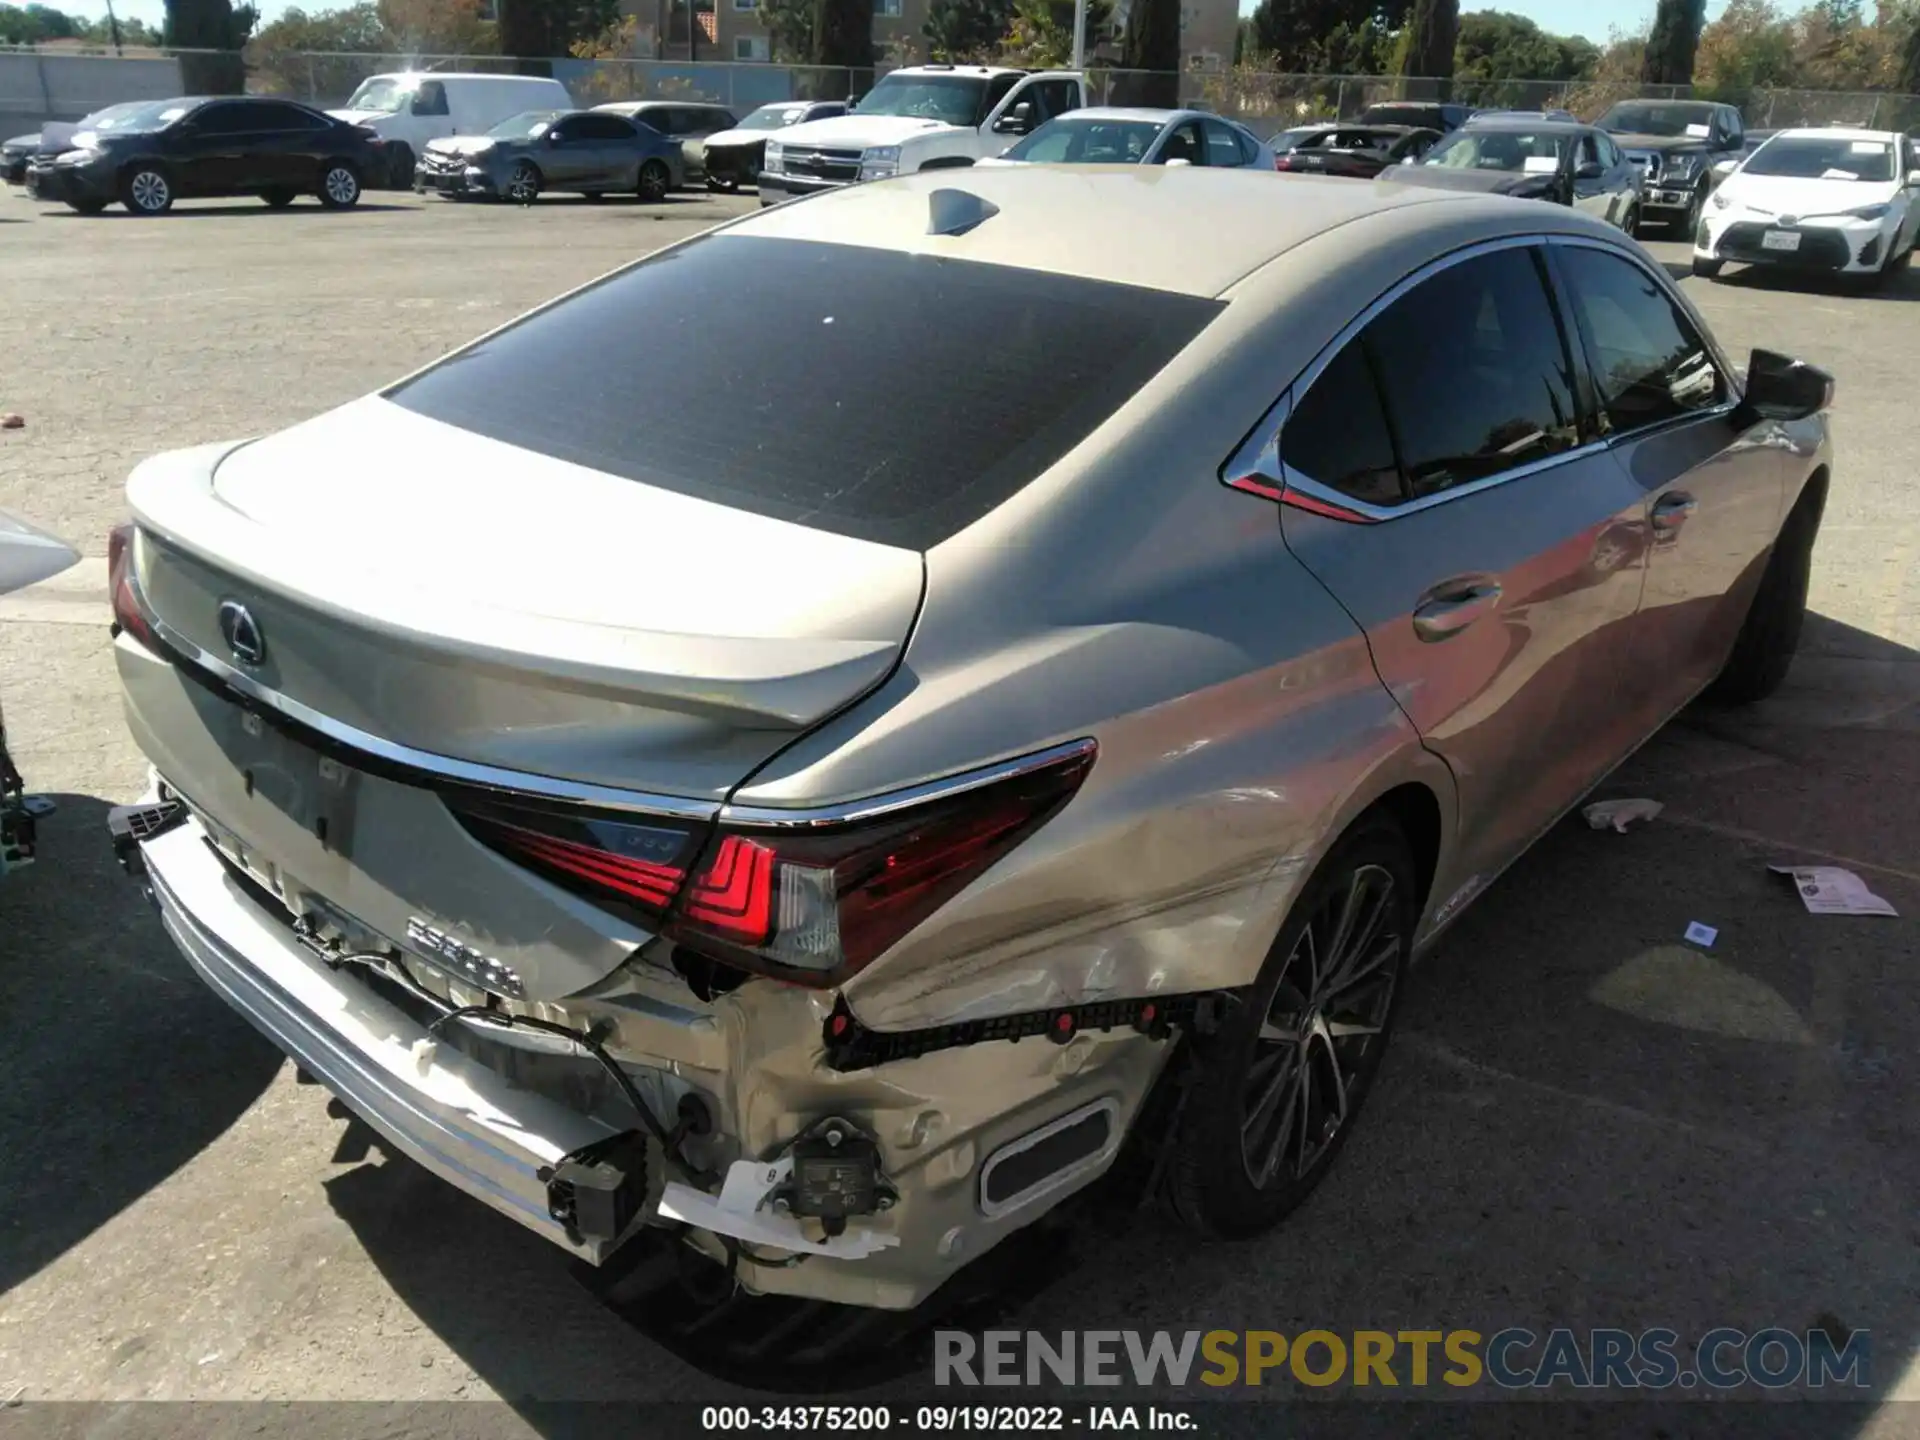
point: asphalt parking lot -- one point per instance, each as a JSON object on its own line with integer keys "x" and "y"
{"x": 1583, "y": 1122}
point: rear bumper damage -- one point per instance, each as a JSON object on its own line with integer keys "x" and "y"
{"x": 885, "y": 1164}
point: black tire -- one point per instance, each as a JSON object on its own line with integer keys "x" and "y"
{"x": 523, "y": 185}
{"x": 146, "y": 190}
{"x": 1763, "y": 651}
{"x": 339, "y": 185}
{"x": 1690, "y": 223}
{"x": 278, "y": 199}
{"x": 400, "y": 161}
{"x": 1706, "y": 269}
{"x": 655, "y": 181}
{"x": 1630, "y": 222}
{"x": 88, "y": 206}
{"x": 1211, "y": 1175}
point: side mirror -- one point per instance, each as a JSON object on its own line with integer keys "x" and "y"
{"x": 1782, "y": 388}
{"x": 1178, "y": 160}
{"x": 1016, "y": 121}
{"x": 1591, "y": 170}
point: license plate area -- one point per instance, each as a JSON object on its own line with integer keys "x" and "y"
{"x": 311, "y": 791}
{"x": 1786, "y": 240}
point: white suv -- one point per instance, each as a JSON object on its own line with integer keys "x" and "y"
{"x": 922, "y": 117}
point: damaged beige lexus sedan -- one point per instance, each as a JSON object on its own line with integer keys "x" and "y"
{"x": 788, "y": 745}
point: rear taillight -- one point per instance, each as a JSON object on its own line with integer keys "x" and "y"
{"x": 810, "y": 903}
{"x": 127, "y": 614}
{"x": 1280, "y": 162}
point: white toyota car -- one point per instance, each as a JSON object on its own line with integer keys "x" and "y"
{"x": 1838, "y": 201}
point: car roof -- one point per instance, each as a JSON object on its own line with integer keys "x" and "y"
{"x": 1838, "y": 132}
{"x": 1139, "y": 112}
{"x": 954, "y": 70}
{"x": 455, "y": 75}
{"x": 1192, "y": 230}
{"x": 1481, "y": 124}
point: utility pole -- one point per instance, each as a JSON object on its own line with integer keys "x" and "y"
{"x": 113, "y": 27}
{"x": 1079, "y": 34}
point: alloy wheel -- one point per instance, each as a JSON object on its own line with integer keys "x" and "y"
{"x": 150, "y": 192}
{"x": 341, "y": 186}
{"x": 523, "y": 186}
{"x": 654, "y": 180}
{"x": 1323, "y": 1031}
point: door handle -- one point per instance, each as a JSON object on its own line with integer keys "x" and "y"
{"x": 1671, "y": 510}
{"x": 1453, "y": 605}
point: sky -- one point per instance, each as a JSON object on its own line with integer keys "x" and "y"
{"x": 1592, "y": 18}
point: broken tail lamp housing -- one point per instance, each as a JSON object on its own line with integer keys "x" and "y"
{"x": 811, "y": 900}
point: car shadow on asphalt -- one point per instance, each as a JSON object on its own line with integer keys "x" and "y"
{"x": 121, "y": 1065}
{"x": 1901, "y": 285}
{"x": 1584, "y": 1121}
{"x": 200, "y": 212}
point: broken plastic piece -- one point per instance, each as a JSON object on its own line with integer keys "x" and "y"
{"x": 423, "y": 1049}
{"x": 1829, "y": 890}
{"x": 1617, "y": 815}
{"x": 735, "y": 1211}
{"x": 1702, "y": 935}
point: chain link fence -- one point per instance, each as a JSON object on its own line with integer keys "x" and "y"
{"x": 63, "y": 85}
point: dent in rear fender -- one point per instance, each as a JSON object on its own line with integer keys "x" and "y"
{"x": 1229, "y": 757}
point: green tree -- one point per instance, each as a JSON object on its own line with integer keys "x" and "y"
{"x": 1748, "y": 46}
{"x": 1673, "y": 41}
{"x": 958, "y": 30}
{"x": 31, "y": 24}
{"x": 211, "y": 33}
{"x": 1321, "y": 37}
{"x": 789, "y": 28}
{"x": 843, "y": 41}
{"x": 1040, "y": 36}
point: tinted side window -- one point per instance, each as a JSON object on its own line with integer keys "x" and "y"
{"x": 1649, "y": 363}
{"x": 655, "y": 120}
{"x": 1475, "y": 371}
{"x": 430, "y": 98}
{"x": 1609, "y": 152}
{"x": 997, "y": 90}
{"x": 600, "y": 127}
{"x": 1055, "y": 97}
{"x": 1222, "y": 146}
{"x": 224, "y": 119}
{"x": 269, "y": 117}
{"x": 1249, "y": 147}
{"x": 1183, "y": 144}
{"x": 1338, "y": 436}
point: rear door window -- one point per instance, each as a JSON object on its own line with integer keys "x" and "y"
{"x": 1476, "y": 373}
{"x": 933, "y": 388}
{"x": 1337, "y": 435}
{"x": 1223, "y": 147}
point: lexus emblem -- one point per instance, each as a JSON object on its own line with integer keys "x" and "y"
{"x": 242, "y": 633}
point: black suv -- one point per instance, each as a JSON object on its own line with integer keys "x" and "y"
{"x": 148, "y": 156}
{"x": 1675, "y": 144}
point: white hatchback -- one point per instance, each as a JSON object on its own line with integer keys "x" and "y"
{"x": 1833, "y": 200}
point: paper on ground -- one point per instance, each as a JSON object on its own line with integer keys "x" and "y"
{"x": 1829, "y": 890}
{"x": 1702, "y": 934}
{"x": 1619, "y": 814}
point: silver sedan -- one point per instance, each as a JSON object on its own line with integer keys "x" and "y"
{"x": 1109, "y": 135}
{"x": 1162, "y": 602}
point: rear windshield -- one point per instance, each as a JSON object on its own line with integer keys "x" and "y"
{"x": 886, "y": 396}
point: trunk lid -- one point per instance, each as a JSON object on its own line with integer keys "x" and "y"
{"x": 473, "y": 600}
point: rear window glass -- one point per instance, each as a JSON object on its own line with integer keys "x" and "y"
{"x": 886, "y": 396}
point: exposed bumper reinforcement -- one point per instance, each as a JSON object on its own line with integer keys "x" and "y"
{"x": 494, "y": 1140}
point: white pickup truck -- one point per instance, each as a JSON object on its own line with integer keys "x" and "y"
{"x": 921, "y": 117}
